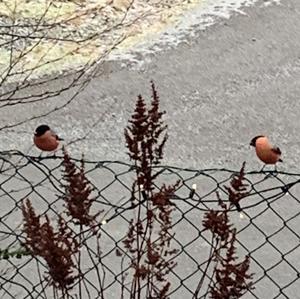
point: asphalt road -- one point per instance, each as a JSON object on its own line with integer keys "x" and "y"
{"x": 221, "y": 87}
{"x": 228, "y": 83}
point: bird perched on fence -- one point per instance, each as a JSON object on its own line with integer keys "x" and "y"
{"x": 46, "y": 139}
{"x": 265, "y": 151}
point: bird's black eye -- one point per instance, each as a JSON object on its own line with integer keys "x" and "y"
{"x": 41, "y": 130}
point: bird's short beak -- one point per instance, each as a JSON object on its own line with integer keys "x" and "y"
{"x": 252, "y": 143}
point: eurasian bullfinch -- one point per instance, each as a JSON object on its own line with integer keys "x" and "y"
{"x": 265, "y": 151}
{"x": 45, "y": 139}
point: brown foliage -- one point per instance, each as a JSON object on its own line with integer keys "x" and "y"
{"x": 150, "y": 252}
{"x": 231, "y": 278}
{"x": 144, "y": 138}
{"x": 237, "y": 188}
{"x": 77, "y": 193}
{"x": 56, "y": 247}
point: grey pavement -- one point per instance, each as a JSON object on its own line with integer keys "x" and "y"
{"x": 228, "y": 83}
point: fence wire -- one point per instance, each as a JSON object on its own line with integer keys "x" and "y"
{"x": 268, "y": 227}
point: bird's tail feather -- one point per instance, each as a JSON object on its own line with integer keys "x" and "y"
{"x": 58, "y": 138}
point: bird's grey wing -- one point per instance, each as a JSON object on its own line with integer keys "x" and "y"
{"x": 55, "y": 135}
{"x": 276, "y": 150}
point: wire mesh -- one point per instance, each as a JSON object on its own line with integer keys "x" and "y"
{"x": 267, "y": 228}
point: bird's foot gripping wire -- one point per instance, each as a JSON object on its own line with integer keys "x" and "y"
{"x": 274, "y": 172}
{"x": 270, "y": 173}
{"x": 39, "y": 157}
{"x": 262, "y": 169}
{"x": 52, "y": 155}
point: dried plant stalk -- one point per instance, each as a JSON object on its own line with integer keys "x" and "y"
{"x": 230, "y": 279}
{"x": 149, "y": 236}
{"x": 77, "y": 197}
{"x": 57, "y": 247}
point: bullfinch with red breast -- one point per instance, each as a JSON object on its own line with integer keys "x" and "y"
{"x": 265, "y": 151}
{"x": 45, "y": 139}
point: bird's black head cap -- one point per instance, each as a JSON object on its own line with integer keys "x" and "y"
{"x": 253, "y": 141}
{"x": 41, "y": 130}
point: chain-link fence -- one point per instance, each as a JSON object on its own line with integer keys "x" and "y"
{"x": 268, "y": 229}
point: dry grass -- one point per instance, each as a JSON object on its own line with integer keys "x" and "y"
{"x": 90, "y": 30}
